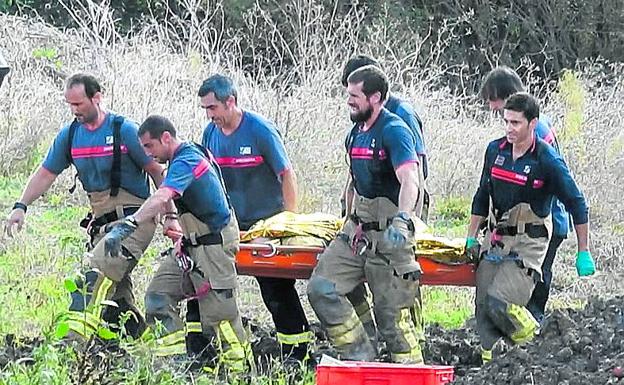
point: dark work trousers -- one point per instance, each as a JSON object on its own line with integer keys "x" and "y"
{"x": 537, "y": 303}
{"x": 282, "y": 301}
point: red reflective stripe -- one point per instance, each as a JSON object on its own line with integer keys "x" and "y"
{"x": 366, "y": 153}
{"x": 94, "y": 152}
{"x": 201, "y": 168}
{"x": 509, "y": 176}
{"x": 243, "y": 161}
{"x": 537, "y": 183}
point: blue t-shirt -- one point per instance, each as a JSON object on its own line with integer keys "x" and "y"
{"x": 536, "y": 178}
{"x": 404, "y": 110}
{"x": 561, "y": 218}
{"x": 252, "y": 160}
{"x": 375, "y": 154}
{"x": 92, "y": 154}
{"x": 198, "y": 186}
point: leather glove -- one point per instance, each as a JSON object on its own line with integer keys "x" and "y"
{"x": 585, "y": 263}
{"x": 472, "y": 249}
{"x": 397, "y": 232}
{"x": 116, "y": 234}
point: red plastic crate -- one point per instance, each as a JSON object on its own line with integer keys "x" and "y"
{"x": 379, "y": 373}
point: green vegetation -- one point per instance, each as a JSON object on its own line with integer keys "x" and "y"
{"x": 448, "y": 307}
{"x": 451, "y": 216}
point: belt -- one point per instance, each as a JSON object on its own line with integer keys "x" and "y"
{"x": 94, "y": 225}
{"x": 530, "y": 229}
{"x": 366, "y": 226}
{"x": 204, "y": 240}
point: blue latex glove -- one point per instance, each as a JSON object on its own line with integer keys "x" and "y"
{"x": 473, "y": 248}
{"x": 114, "y": 237}
{"x": 585, "y": 264}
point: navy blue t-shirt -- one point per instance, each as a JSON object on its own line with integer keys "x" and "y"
{"x": 198, "y": 186}
{"x": 375, "y": 154}
{"x": 404, "y": 110}
{"x": 536, "y": 178}
{"x": 252, "y": 160}
{"x": 92, "y": 153}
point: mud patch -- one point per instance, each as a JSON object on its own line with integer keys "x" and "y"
{"x": 17, "y": 350}
{"x": 575, "y": 347}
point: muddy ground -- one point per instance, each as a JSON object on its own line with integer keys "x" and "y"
{"x": 575, "y": 347}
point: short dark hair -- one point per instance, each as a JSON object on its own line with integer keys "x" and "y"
{"x": 354, "y": 63}
{"x": 373, "y": 79}
{"x": 500, "y": 83}
{"x": 90, "y": 83}
{"x": 525, "y": 103}
{"x": 222, "y": 86}
{"x": 155, "y": 126}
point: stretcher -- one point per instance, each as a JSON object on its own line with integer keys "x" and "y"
{"x": 267, "y": 260}
{"x": 297, "y": 262}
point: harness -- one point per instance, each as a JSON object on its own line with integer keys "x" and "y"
{"x": 381, "y": 167}
{"x": 182, "y": 208}
{"x": 115, "y": 180}
{"x": 518, "y": 220}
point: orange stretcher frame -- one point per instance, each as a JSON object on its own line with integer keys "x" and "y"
{"x": 297, "y": 262}
{"x": 265, "y": 260}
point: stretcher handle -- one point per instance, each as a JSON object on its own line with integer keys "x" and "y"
{"x": 273, "y": 250}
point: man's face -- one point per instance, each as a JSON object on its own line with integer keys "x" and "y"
{"x": 216, "y": 111}
{"x": 496, "y": 105}
{"x": 361, "y": 107}
{"x": 155, "y": 147}
{"x": 517, "y": 127}
{"x": 85, "y": 109}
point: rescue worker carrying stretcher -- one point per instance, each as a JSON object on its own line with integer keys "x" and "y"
{"x": 375, "y": 241}
{"x": 359, "y": 297}
{"x": 521, "y": 176}
{"x": 201, "y": 266}
{"x": 261, "y": 183}
{"x": 497, "y": 86}
{"x": 112, "y": 167}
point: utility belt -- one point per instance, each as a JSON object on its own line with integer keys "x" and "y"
{"x": 513, "y": 257}
{"x": 360, "y": 242}
{"x": 376, "y": 226}
{"x": 203, "y": 240}
{"x": 97, "y": 226}
{"x": 530, "y": 229}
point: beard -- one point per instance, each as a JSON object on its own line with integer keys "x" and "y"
{"x": 362, "y": 115}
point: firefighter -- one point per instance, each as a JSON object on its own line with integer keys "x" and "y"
{"x": 375, "y": 241}
{"x": 112, "y": 167}
{"x": 522, "y": 175}
{"x": 201, "y": 266}
{"x": 497, "y": 86}
{"x": 359, "y": 297}
{"x": 261, "y": 182}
